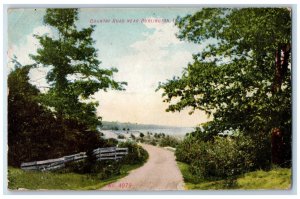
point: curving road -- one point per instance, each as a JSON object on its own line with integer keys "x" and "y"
{"x": 160, "y": 172}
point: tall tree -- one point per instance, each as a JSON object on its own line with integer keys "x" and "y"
{"x": 33, "y": 129}
{"x": 242, "y": 76}
{"x": 75, "y": 73}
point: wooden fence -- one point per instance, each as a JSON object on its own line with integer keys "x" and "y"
{"x": 110, "y": 153}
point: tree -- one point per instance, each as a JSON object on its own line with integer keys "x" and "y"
{"x": 21, "y": 106}
{"x": 33, "y": 129}
{"x": 242, "y": 77}
{"x": 75, "y": 73}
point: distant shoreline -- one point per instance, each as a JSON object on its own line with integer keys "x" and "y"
{"x": 115, "y": 125}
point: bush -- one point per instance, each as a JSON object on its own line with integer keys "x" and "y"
{"x": 132, "y": 136}
{"x": 221, "y": 158}
{"x": 112, "y": 141}
{"x": 121, "y": 136}
{"x": 100, "y": 169}
{"x": 189, "y": 150}
{"x": 136, "y": 154}
{"x": 107, "y": 168}
{"x": 169, "y": 141}
{"x": 153, "y": 142}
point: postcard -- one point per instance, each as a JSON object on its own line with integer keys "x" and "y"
{"x": 149, "y": 98}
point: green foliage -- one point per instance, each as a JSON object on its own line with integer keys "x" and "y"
{"x": 242, "y": 77}
{"x": 277, "y": 178}
{"x": 159, "y": 135}
{"x": 63, "y": 120}
{"x": 101, "y": 169}
{"x": 33, "y": 129}
{"x": 132, "y": 136}
{"x": 121, "y": 136}
{"x": 136, "y": 154}
{"x": 153, "y": 142}
{"x": 107, "y": 168}
{"x": 189, "y": 150}
{"x": 187, "y": 175}
{"x": 224, "y": 158}
{"x": 112, "y": 141}
{"x": 32, "y": 180}
{"x": 221, "y": 158}
{"x": 169, "y": 141}
{"x": 75, "y": 73}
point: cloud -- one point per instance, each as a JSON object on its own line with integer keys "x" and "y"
{"x": 27, "y": 46}
{"x": 159, "y": 56}
{"x": 163, "y": 37}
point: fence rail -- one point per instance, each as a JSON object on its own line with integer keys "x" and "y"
{"x": 110, "y": 153}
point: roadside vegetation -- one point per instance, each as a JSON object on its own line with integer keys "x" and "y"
{"x": 157, "y": 139}
{"x": 84, "y": 175}
{"x": 62, "y": 120}
{"x": 241, "y": 79}
{"x": 276, "y": 178}
{"x": 33, "y": 180}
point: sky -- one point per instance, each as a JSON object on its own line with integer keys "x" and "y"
{"x": 140, "y": 42}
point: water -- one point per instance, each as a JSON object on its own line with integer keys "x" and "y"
{"x": 173, "y": 131}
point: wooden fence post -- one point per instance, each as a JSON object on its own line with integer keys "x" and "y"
{"x": 100, "y": 155}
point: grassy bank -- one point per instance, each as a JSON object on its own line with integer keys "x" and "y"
{"x": 60, "y": 181}
{"x": 279, "y": 178}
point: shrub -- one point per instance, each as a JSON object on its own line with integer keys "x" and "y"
{"x": 136, "y": 154}
{"x": 107, "y": 168}
{"x": 223, "y": 157}
{"x": 189, "y": 150}
{"x": 101, "y": 169}
{"x": 153, "y": 142}
{"x": 112, "y": 141}
{"x": 132, "y": 136}
{"x": 121, "y": 136}
{"x": 169, "y": 141}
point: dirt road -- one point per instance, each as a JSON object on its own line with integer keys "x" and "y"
{"x": 160, "y": 172}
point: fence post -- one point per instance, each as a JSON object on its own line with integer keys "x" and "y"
{"x": 99, "y": 154}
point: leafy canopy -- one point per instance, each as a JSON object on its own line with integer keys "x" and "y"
{"x": 242, "y": 76}
{"x": 75, "y": 73}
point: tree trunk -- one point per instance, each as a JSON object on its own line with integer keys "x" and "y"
{"x": 277, "y": 146}
{"x": 282, "y": 56}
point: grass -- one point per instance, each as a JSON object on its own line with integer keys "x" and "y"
{"x": 277, "y": 178}
{"x": 34, "y": 180}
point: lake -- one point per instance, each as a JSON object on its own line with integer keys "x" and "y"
{"x": 172, "y": 131}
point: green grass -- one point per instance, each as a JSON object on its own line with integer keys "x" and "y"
{"x": 277, "y": 178}
{"x": 60, "y": 181}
